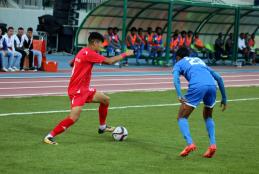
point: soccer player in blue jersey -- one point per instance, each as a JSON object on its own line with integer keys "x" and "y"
{"x": 202, "y": 87}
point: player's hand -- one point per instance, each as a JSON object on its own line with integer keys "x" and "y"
{"x": 129, "y": 52}
{"x": 182, "y": 100}
{"x": 223, "y": 106}
{"x": 71, "y": 63}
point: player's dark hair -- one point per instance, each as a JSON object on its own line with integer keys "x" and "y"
{"x": 183, "y": 52}
{"x": 140, "y": 29}
{"x": 149, "y": 29}
{"x": 20, "y": 28}
{"x": 133, "y": 29}
{"x": 30, "y": 29}
{"x": 10, "y": 28}
{"x": 95, "y": 36}
{"x": 158, "y": 28}
{"x": 116, "y": 29}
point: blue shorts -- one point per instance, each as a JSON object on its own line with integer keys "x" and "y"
{"x": 206, "y": 93}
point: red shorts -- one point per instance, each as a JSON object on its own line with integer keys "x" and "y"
{"x": 79, "y": 99}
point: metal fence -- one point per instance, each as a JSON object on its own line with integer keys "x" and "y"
{"x": 29, "y": 3}
{"x": 229, "y": 2}
{"x": 90, "y": 4}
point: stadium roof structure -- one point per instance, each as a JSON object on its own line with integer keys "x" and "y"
{"x": 205, "y": 18}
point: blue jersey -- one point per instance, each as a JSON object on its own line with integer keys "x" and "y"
{"x": 195, "y": 71}
{"x": 198, "y": 74}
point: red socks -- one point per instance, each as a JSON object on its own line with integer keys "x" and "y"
{"x": 67, "y": 122}
{"x": 103, "y": 111}
{"x": 62, "y": 126}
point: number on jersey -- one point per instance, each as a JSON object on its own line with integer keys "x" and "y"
{"x": 195, "y": 61}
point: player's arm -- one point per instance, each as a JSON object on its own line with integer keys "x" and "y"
{"x": 118, "y": 58}
{"x": 220, "y": 82}
{"x": 177, "y": 85}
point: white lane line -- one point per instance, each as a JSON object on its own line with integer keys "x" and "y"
{"x": 115, "y": 108}
{"x": 116, "y": 84}
{"x": 117, "y": 79}
{"x": 111, "y": 91}
{"x": 163, "y": 73}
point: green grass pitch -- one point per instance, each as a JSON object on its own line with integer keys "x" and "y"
{"x": 153, "y": 144}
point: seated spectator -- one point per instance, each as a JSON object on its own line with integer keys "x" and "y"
{"x": 149, "y": 40}
{"x": 28, "y": 45}
{"x": 251, "y": 47}
{"x": 107, "y": 41}
{"x": 242, "y": 47}
{"x": 177, "y": 32}
{"x": 18, "y": 45}
{"x": 141, "y": 41}
{"x": 182, "y": 39}
{"x": 157, "y": 48}
{"x": 198, "y": 43}
{"x": 1, "y": 52}
{"x": 219, "y": 47}
{"x": 133, "y": 44}
{"x": 4, "y": 52}
{"x": 174, "y": 46}
{"x": 8, "y": 40}
{"x": 229, "y": 45}
{"x": 188, "y": 41}
{"x": 116, "y": 42}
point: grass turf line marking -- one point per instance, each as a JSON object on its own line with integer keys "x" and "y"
{"x": 115, "y": 108}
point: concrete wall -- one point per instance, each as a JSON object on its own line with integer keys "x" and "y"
{"x": 26, "y": 17}
{"x": 22, "y": 17}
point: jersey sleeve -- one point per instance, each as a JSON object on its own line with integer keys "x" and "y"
{"x": 176, "y": 80}
{"x": 93, "y": 57}
{"x": 220, "y": 82}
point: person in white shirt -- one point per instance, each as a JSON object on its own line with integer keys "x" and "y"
{"x": 9, "y": 40}
{"x": 6, "y": 56}
{"x": 1, "y": 52}
{"x": 242, "y": 47}
{"x": 18, "y": 45}
{"x": 29, "y": 45}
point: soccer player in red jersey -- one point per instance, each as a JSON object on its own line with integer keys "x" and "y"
{"x": 79, "y": 90}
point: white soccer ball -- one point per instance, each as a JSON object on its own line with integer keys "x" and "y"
{"x": 120, "y": 133}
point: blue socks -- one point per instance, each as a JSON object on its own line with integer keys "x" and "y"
{"x": 184, "y": 128}
{"x": 210, "y": 125}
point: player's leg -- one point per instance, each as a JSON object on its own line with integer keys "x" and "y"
{"x": 104, "y": 101}
{"x": 183, "y": 115}
{"x": 209, "y": 102}
{"x": 193, "y": 98}
{"x": 64, "y": 125}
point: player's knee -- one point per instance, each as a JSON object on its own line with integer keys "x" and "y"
{"x": 182, "y": 116}
{"x": 75, "y": 114}
{"x": 207, "y": 112}
{"x": 106, "y": 100}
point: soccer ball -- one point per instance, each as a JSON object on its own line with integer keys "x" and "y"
{"x": 120, "y": 133}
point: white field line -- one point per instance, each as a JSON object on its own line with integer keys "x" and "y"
{"x": 116, "y": 108}
{"x": 118, "y": 79}
{"x": 110, "y": 91}
{"x": 117, "y": 84}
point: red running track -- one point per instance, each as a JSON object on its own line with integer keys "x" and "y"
{"x": 58, "y": 86}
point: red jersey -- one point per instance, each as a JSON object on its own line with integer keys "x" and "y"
{"x": 82, "y": 70}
